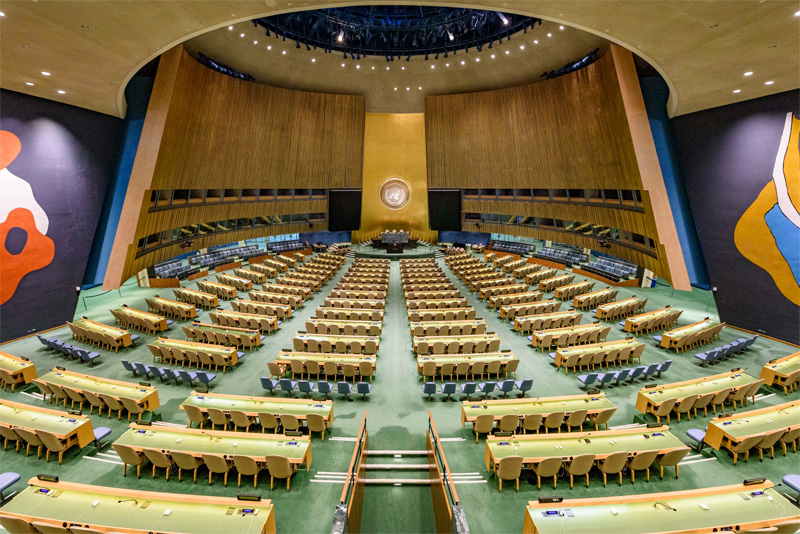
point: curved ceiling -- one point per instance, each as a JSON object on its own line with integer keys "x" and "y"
{"x": 397, "y": 86}
{"x": 702, "y": 49}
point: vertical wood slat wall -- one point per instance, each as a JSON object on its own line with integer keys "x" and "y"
{"x": 570, "y": 133}
{"x": 225, "y": 133}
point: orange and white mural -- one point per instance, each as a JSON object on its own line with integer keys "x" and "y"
{"x": 768, "y": 233}
{"x": 23, "y": 221}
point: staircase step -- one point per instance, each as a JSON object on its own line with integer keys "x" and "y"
{"x": 392, "y": 453}
{"x": 399, "y": 466}
{"x": 399, "y": 481}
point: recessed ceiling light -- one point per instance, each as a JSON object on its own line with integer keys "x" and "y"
{"x": 536, "y": 41}
{"x": 373, "y": 67}
{"x": 507, "y": 52}
{"x": 420, "y": 88}
{"x": 269, "y": 47}
{"x": 737, "y": 90}
{"x": 230, "y": 27}
{"x": 492, "y": 56}
{"x": 255, "y": 42}
{"x": 241, "y": 35}
{"x": 387, "y": 68}
{"x": 45, "y": 73}
{"x": 748, "y": 73}
{"x": 402, "y": 68}
{"x": 395, "y": 88}
{"x": 28, "y": 83}
{"x": 522, "y": 47}
{"x": 408, "y": 88}
{"x": 477, "y": 60}
{"x": 61, "y": 92}
{"x": 433, "y": 66}
{"x": 3, "y": 14}
{"x": 283, "y": 52}
{"x": 342, "y": 64}
{"x": 463, "y": 62}
{"x": 549, "y": 34}
{"x": 447, "y": 64}
{"x": 358, "y": 66}
{"x": 769, "y": 82}
{"x": 796, "y": 14}
{"x": 313, "y": 60}
{"x": 561, "y": 27}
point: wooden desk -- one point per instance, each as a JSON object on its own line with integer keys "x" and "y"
{"x": 550, "y": 284}
{"x": 649, "y": 399}
{"x": 568, "y": 318}
{"x": 728, "y": 431}
{"x": 221, "y": 290}
{"x": 775, "y": 372}
{"x": 570, "y": 290}
{"x": 17, "y": 367}
{"x": 120, "y": 336}
{"x": 271, "y": 321}
{"x": 605, "y": 347}
{"x": 196, "y": 297}
{"x": 532, "y": 307}
{"x": 517, "y": 298}
{"x": 730, "y": 508}
{"x": 670, "y": 339}
{"x": 601, "y": 296}
{"x": 441, "y": 304}
{"x": 608, "y": 309}
{"x": 359, "y": 304}
{"x": 285, "y": 357}
{"x": 538, "y": 336}
{"x": 267, "y": 271}
{"x": 294, "y": 301}
{"x": 635, "y": 322}
{"x": 478, "y": 324}
{"x": 255, "y": 337}
{"x": 229, "y": 353}
{"x": 537, "y": 447}
{"x": 256, "y": 307}
{"x": 357, "y": 294}
{"x": 198, "y": 441}
{"x": 71, "y": 429}
{"x": 255, "y": 277}
{"x": 332, "y": 338}
{"x": 523, "y": 406}
{"x": 469, "y": 313}
{"x": 282, "y": 288}
{"x": 346, "y": 314}
{"x": 253, "y": 406}
{"x": 430, "y": 340}
{"x": 174, "y": 307}
{"x": 146, "y": 396}
{"x": 158, "y": 320}
{"x": 122, "y": 510}
{"x": 536, "y": 277}
{"x": 455, "y": 359}
{"x": 373, "y": 327}
{"x": 502, "y": 290}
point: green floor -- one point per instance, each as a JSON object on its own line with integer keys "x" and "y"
{"x": 397, "y": 419}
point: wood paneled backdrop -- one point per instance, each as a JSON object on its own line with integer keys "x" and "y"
{"x": 571, "y": 132}
{"x": 222, "y": 132}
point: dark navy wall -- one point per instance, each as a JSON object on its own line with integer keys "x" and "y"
{"x": 656, "y": 92}
{"x": 471, "y": 238}
{"x": 67, "y": 158}
{"x": 137, "y": 96}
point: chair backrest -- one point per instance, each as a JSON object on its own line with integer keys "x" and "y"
{"x": 643, "y": 460}
{"x": 128, "y": 455}
{"x": 666, "y": 407}
{"x": 614, "y": 462}
{"x": 245, "y": 465}
{"x": 484, "y": 423}
{"x": 603, "y": 416}
{"x": 686, "y": 404}
{"x": 157, "y": 458}
{"x": 580, "y": 465}
{"x": 510, "y": 468}
{"x": 674, "y": 457}
{"x": 278, "y": 466}
{"x": 548, "y": 467}
{"x": 554, "y": 419}
{"x": 215, "y": 463}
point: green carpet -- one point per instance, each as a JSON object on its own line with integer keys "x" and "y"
{"x": 397, "y": 418}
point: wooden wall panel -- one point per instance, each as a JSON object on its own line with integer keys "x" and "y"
{"x": 569, "y": 132}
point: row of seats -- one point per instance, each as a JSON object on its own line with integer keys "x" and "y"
{"x": 347, "y": 330}
{"x": 220, "y": 338}
{"x": 617, "y": 267}
{"x": 575, "y": 338}
{"x": 512, "y": 247}
{"x": 34, "y": 438}
{"x": 713, "y": 356}
{"x": 68, "y": 351}
{"x": 566, "y": 257}
{"x": 304, "y": 386}
{"x": 199, "y": 358}
{"x": 664, "y": 322}
{"x": 236, "y": 419}
{"x": 169, "y": 309}
{"x": 100, "y": 401}
{"x": 481, "y": 389}
{"x": 430, "y": 370}
{"x": 429, "y": 346}
{"x": 460, "y": 315}
{"x": 285, "y": 246}
{"x": 761, "y": 441}
{"x": 696, "y": 339}
{"x": 339, "y": 347}
{"x": 174, "y": 269}
{"x": 190, "y": 378}
{"x": 104, "y": 341}
{"x": 362, "y": 371}
{"x": 272, "y": 310}
{"x": 452, "y": 330}
{"x": 131, "y": 321}
{"x": 200, "y": 299}
{"x": 218, "y": 257}
{"x": 621, "y": 376}
{"x": 713, "y": 399}
{"x": 533, "y": 325}
{"x": 609, "y": 357}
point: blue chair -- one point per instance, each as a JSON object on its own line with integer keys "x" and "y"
{"x": 128, "y": 367}
{"x": 586, "y": 380}
{"x": 506, "y": 386}
{"x": 469, "y": 389}
{"x": 88, "y": 357}
{"x": 658, "y": 339}
{"x": 71, "y": 353}
{"x": 524, "y": 385}
{"x": 792, "y": 481}
{"x": 304, "y": 386}
{"x": 325, "y": 388}
{"x": 750, "y": 342}
{"x": 363, "y": 388}
{"x": 621, "y": 376}
{"x": 100, "y": 433}
{"x": 140, "y": 368}
{"x": 7, "y": 480}
{"x": 205, "y": 378}
{"x": 707, "y": 357}
{"x": 160, "y": 372}
{"x": 188, "y": 377}
{"x": 429, "y": 388}
{"x": 698, "y": 436}
{"x": 486, "y": 388}
{"x": 662, "y": 367}
{"x": 621, "y": 323}
{"x": 288, "y": 385}
{"x": 448, "y": 389}
{"x": 134, "y": 337}
{"x": 268, "y": 384}
{"x": 604, "y": 378}
{"x": 651, "y": 370}
{"x": 344, "y": 388}
{"x": 42, "y": 340}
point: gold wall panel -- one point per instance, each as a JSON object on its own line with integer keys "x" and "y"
{"x": 394, "y": 147}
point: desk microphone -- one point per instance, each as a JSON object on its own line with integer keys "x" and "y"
{"x": 665, "y": 505}
{"x": 128, "y": 500}
{"x": 584, "y": 437}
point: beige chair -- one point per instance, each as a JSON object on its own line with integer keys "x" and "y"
{"x": 685, "y": 406}
{"x": 297, "y": 367}
{"x": 245, "y": 465}
{"x": 702, "y": 403}
{"x": 159, "y": 460}
{"x": 268, "y": 421}
{"x": 186, "y": 461}
{"x": 290, "y": 422}
{"x": 217, "y": 464}
{"x": 59, "y": 394}
{"x": 768, "y": 441}
{"x": 613, "y": 464}
{"x": 30, "y": 439}
{"x": 738, "y": 396}
{"x": 508, "y": 423}
{"x": 131, "y": 457}
{"x": 671, "y": 459}
{"x": 641, "y": 461}
{"x": 548, "y": 467}
{"x": 553, "y": 421}
{"x": 532, "y": 422}
{"x": 275, "y": 370}
{"x": 132, "y": 407}
{"x": 15, "y": 525}
{"x": 195, "y": 415}
{"x": 429, "y": 370}
{"x": 752, "y": 390}
{"x": 576, "y": 418}
{"x": 365, "y": 370}
{"x": 8, "y": 434}
{"x": 74, "y": 396}
{"x": 49, "y": 528}
{"x": 493, "y": 368}
{"x": 53, "y": 444}
{"x": 218, "y": 417}
{"x": 719, "y": 399}
{"x": 44, "y": 389}
{"x": 483, "y": 424}
{"x": 349, "y": 371}
{"x": 580, "y": 466}
{"x": 790, "y": 437}
{"x": 8, "y": 380}
{"x": 330, "y": 369}
{"x": 279, "y": 467}
{"x": 241, "y": 420}
{"x": 316, "y": 423}
{"x": 509, "y": 468}
{"x": 602, "y": 417}
{"x": 665, "y": 409}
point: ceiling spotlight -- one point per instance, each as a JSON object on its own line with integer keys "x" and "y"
{"x": 45, "y": 73}
{"x": 387, "y": 68}
{"x": 450, "y": 35}
{"x": 769, "y": 82}
{"x": 28, "y": 83}
{"x": 358, "y": 66}
{"x": 420, "y": 88}
{"x": 463, "y": 62}
{"x": 61, "y": 92}
{"x": 342, "y": 64}
{"x": 507, "y": 52}
{"x": 3, "y": 14}
{"x": 395, "y": 88}
{"x": 283, "y": 52}
{"x": 373, "y": 67}
{"x": 433, "y": 66}
{"x": 536, "y": 41}
{"x": 492, "y": 56}
{"x": 503, "y": 18}
{"x": 408, "y": 88}
{"x": 561, "y": 27}
{"x": 402, "y": 68}
{"x": 241, "y": 35}
{"x": 522, "y": 47}
{"x": 737, "y": 90}
{"x": 748, "y": 73}
{"x": 447, "y": 64}
{"x": 477, "y": 60}
{"x": 313, "y": 60}
{"x": 549, "y": 34}
{"x": 796, "y": 14}
{"x": 230, "y": 27}
{"x": 269, "y": 47}
{"x": 255, "y": 42}
{"x": 340, "y": 37}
